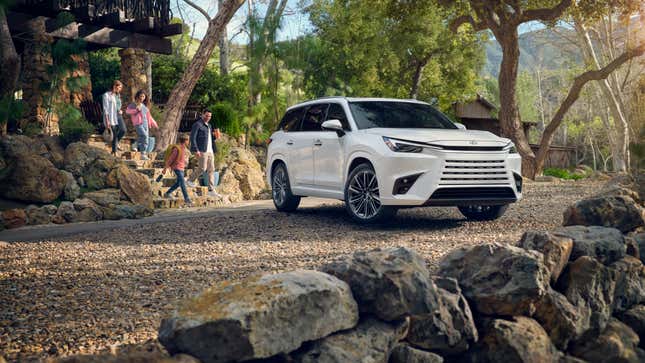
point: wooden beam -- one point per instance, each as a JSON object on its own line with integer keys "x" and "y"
{"x": 114, "y": 19}
{"x": 143, "y": 25}
{"x": 168, "y": 30}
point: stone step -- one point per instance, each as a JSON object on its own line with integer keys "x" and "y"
{"x": 158, "y": 191}
{"x": 135, "y": 155}
{"x": 166, "y": 203}
{"x": 139, "y": 164}
{"x": 151, "y": 173}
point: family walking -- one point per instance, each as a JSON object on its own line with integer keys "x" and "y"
{"x": 201, "y": 141}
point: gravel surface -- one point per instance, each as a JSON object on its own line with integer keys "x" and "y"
{"x": 108, "y": 290}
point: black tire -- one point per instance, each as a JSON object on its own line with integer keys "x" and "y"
{"x": 371, "y": 211}
{"x": 483, "y": 212}
{"x": 283, "y": 199}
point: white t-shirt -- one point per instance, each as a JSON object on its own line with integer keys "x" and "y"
{"x": 209, "y": 146}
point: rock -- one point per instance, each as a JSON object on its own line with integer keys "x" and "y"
{"x": 617, "y": 343}
{"x": 14, "y": 218}
{"x": 546, "y": 179}
{"x": 403, "y": 353}
{"x": 632, "y": 248}
{"x": 589, "y": 285}
{"x": 248, "y": 173}
{"x": 32, "y": 178}
{"x": 630, "y": 283}
{"x": 556, "y": 250}
{"x": 134, "y": 357}
{"x": 36, "y": 215}
{"x": 230, "y": 187}
{"x": 126, "y": 210}
{"x": 389, "y": 283}
{"x": 66, "y": 213}
{"x": 12, "y": 146}
{"x": 93, "y": 164}
{"x": 449, "y": 328}
{"x": 619, "y": 212}
{"x": 635, "y": 319}
{"x": 4, "y": 244}
{"x": 370, "y": 342}
{"x": 618, "y": 191}
{"x": 55, "y": 151}
{"x": 259, "y": 317}
{"x": 563, "y": 321}
{"x": 135, "y": 186}
{"x": 104, "y": 197}
{"x": 607, "y": 245}
{"x": 498, "y": 279}
{"x": 87, "y": 211}
{"x": 639, "y": 238}
{"x": 72, "y": 190}
{"x": 519, "y": 340}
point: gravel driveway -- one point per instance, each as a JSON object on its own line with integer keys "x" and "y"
{"x": 99, "y": 291}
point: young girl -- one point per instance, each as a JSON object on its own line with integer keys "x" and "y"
{"x": 142, "y": 121}
{"x": 177, "y": 161}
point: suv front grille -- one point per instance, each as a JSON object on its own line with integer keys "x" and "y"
{"x": 472, "y": 196}
{"x": 485, "y": 172}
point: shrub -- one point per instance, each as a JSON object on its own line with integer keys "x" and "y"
{"x": 73, "y": 127}
{"x": 223, "y": 149}
{"x": 225, "y": 118}
{"x": 562, "y": 173}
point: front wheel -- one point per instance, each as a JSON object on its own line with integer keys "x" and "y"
{"x": 362, "y": 198}
{"x": 483, "y": 212}
{"x": 283, "y": 199}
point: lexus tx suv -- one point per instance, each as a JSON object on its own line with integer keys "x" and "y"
{"x": 379, "y": 155}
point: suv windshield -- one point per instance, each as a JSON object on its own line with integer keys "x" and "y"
{"x": 402, "y": 115}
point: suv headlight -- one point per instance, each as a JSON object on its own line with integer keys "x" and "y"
{"x": 511, "y": 148}
{"x": 402, "y": 147}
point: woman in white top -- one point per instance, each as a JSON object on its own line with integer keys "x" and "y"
{"x": 113, "y": 116}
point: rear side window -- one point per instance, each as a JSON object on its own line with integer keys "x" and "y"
{"x": 314, "y": 117}
{"x": 336, "y": 112}
{"x": 291, "y": 120}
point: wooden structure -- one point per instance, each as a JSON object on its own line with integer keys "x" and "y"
{"x": 478, "y": 115}
{"x": 101, "y": 23}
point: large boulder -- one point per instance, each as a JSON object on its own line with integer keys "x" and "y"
{"x": 259, "y": 317}
{"x": 125, "y": 210}
{"x": 617, "y": 343}
{"x": 248, "y": 172}
{"x": 498, "y": 279}
{"x": 635, "y": 319}
{"x": 630, "y": 283}
{"x": 230, "y": 186}
{"x": 104, "y": 197}
{"x": 370, "y": 342}
{"x": 520, "y": 340}
{"x": 86, "y": 211}
{"x": 449, "y": 328}
{"x": 32, "y": 178}
{"x": 13, "y": 218}
{"x": 403, "y": 353}
{"x": 620, "y": 212}
{"x": 40, "y": 215}
{"x": 556, "y": 250}
{"x": 92, "y": 163}
{"x": 135, "y": 186}
{"x": 606, "y": 245}
{"x": 563, "y": 321}
{"x": 55, "y": 151}
{"x": 72, "y": 190}
{"x": 639, "y": 239}
{"x": 66, "y": 213}
{"x": 589, "y": 285}
{"x": 389, "y": 283}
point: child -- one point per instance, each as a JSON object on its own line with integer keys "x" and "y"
{"x": 177, "y": 161}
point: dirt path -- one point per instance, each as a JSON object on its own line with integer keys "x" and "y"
{"x": 88, "y": 292}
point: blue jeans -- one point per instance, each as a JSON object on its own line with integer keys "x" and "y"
{"x": 142, "y": 140}
{"x": 118, "y": 131}
{"x": 181, "y": 182}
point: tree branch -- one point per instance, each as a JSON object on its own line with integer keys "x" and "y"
{"x": 545, "y": 14}
{"x": 198, "y": 8}
{"x": 461, "y": 20}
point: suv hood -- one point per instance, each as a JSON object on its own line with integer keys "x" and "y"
{"x": 442, "y": 137}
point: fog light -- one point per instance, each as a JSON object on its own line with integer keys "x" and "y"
{"x": 402, "y": 185}
{"x": 518, "y": 182}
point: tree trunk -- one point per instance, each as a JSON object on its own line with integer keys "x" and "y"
{"x": 223, "y": 48}
{"x": 416, "y": 78}
{"x": 181, "y": 92}
{"x": 9, "y": 60}
{"x": 509, "y": 116}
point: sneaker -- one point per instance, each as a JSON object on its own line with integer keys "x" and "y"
{"x": 190, "y": 184}
{"x": 144, "y": 157}
{"x": 166, "y": 195}
{"x": 213, "y": 193}
{"x": 118, "y": 147}
{"x": 189, "y": 204}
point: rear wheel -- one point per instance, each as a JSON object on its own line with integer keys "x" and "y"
{"x": 483, "y": 212}
{"x": 283, "y": 199}
{"x": 362, "y": 198}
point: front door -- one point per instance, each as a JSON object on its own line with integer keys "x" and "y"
{"x": 328, "y": 152}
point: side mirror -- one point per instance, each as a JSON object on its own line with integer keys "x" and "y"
{"x": 333, "y": 125}
{"x": 460, "y": 126}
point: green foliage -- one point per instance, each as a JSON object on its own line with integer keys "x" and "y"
{"x": 226, "y": 119}
{"x": 73, "y": 127}
{"x": 637, "y": 150}
{"x": 223, "y": 149}
{"x": 562, "y": 173}
{"x": 10, "y": 110}
{"x": 105, "y": 67}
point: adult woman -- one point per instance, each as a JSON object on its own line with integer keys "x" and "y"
{"x": 113, "y": 115}
{"x": 142, "y": 121}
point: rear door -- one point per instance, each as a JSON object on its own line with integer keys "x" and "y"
{"x": 304, "y": 143}
{"x": 328, "y": 152}
{"x": 286, "y": 142}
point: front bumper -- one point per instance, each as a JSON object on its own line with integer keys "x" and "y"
{"x": 450, "y": 178}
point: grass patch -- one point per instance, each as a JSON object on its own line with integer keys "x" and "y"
{"x": 563, "y": 174}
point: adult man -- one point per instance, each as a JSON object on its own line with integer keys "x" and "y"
{"x": 113, "y": 115}
{"x": 203, "y": 145}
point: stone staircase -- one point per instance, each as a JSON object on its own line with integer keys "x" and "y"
{"x": 152, "y": 168}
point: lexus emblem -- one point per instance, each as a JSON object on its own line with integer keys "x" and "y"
{"x": 473, "y": 142}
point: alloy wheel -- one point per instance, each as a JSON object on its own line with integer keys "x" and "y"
{"x": 364, "y": 199}
{"x": 279, "y": 186}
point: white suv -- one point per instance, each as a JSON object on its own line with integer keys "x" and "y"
{"x": 379, "y": 155}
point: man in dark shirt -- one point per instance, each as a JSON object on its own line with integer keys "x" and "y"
{"x": 202, "y": 144}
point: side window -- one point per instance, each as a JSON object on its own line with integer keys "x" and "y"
{"x": 336, "y": 112}
{"x": 291, "y": 120}
{"x": 314, "y": 118}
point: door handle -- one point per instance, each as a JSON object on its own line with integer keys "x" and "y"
{"x": 290, "y": 142}
{"x": 318, "y": 143}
